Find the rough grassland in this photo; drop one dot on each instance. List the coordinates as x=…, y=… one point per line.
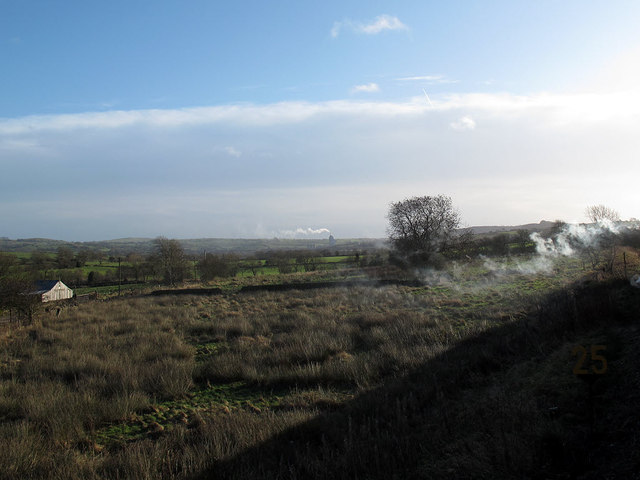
x=471, y=378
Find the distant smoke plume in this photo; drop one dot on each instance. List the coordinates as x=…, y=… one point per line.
x=304, y=232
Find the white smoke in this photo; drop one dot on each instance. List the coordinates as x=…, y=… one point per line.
x=537, y=264
x=570, y=241
x=573, y=238
x=304, y=232
x=432, y=277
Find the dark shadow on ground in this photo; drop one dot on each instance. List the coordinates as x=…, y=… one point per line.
x=502, y=404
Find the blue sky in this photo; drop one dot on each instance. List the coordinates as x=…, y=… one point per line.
x=261, y=119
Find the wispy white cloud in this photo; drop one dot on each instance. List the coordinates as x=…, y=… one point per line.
x=430, y=79
x=366, y=88
x=267, y=115
x=337, y=26
x=232, y=151
x=381, y=23
x=377, y=25
x=619, y=107
x=463, y=123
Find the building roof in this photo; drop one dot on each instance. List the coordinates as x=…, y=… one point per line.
x=44, y=286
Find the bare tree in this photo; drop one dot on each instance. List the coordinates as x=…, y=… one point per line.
x=602, y=252
x=212, y=266
x=308, y=261
x=420, y=227
x=64, y=257
x=135, y=268
x=597, y=213
x=40, y=262
x=283, y=261
x=7, y=263
x=16, y=295
x=169, y=260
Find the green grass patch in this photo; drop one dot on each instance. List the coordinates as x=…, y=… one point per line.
x=25, y=255
x=210, y=348
x=336, y=259
x=263, y=270
x=211, y=400
x=111, y=289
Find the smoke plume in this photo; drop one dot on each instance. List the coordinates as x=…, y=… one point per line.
x=304, y=232
x=570, y=240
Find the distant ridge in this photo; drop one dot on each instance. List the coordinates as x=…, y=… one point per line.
x=197, y=246
x=530, y=227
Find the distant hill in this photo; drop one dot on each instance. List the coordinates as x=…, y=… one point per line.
x=252, y=245
x=33, y=245
x=530, y=227
x=242, y=246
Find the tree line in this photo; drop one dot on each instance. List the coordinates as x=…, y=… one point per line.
x=424, y=232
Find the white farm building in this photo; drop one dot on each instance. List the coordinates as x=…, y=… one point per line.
x=52, y=290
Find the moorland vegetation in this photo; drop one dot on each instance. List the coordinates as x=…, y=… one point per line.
x=496, y=365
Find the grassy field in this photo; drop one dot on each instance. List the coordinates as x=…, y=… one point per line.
x=191, y=246
x=111, y=290
x=470, y=375
x=93, y=272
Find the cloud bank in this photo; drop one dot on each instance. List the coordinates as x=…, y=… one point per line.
x=250, y=170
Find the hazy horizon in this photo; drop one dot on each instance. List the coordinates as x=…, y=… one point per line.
x=252, y=120
x=286, y=235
